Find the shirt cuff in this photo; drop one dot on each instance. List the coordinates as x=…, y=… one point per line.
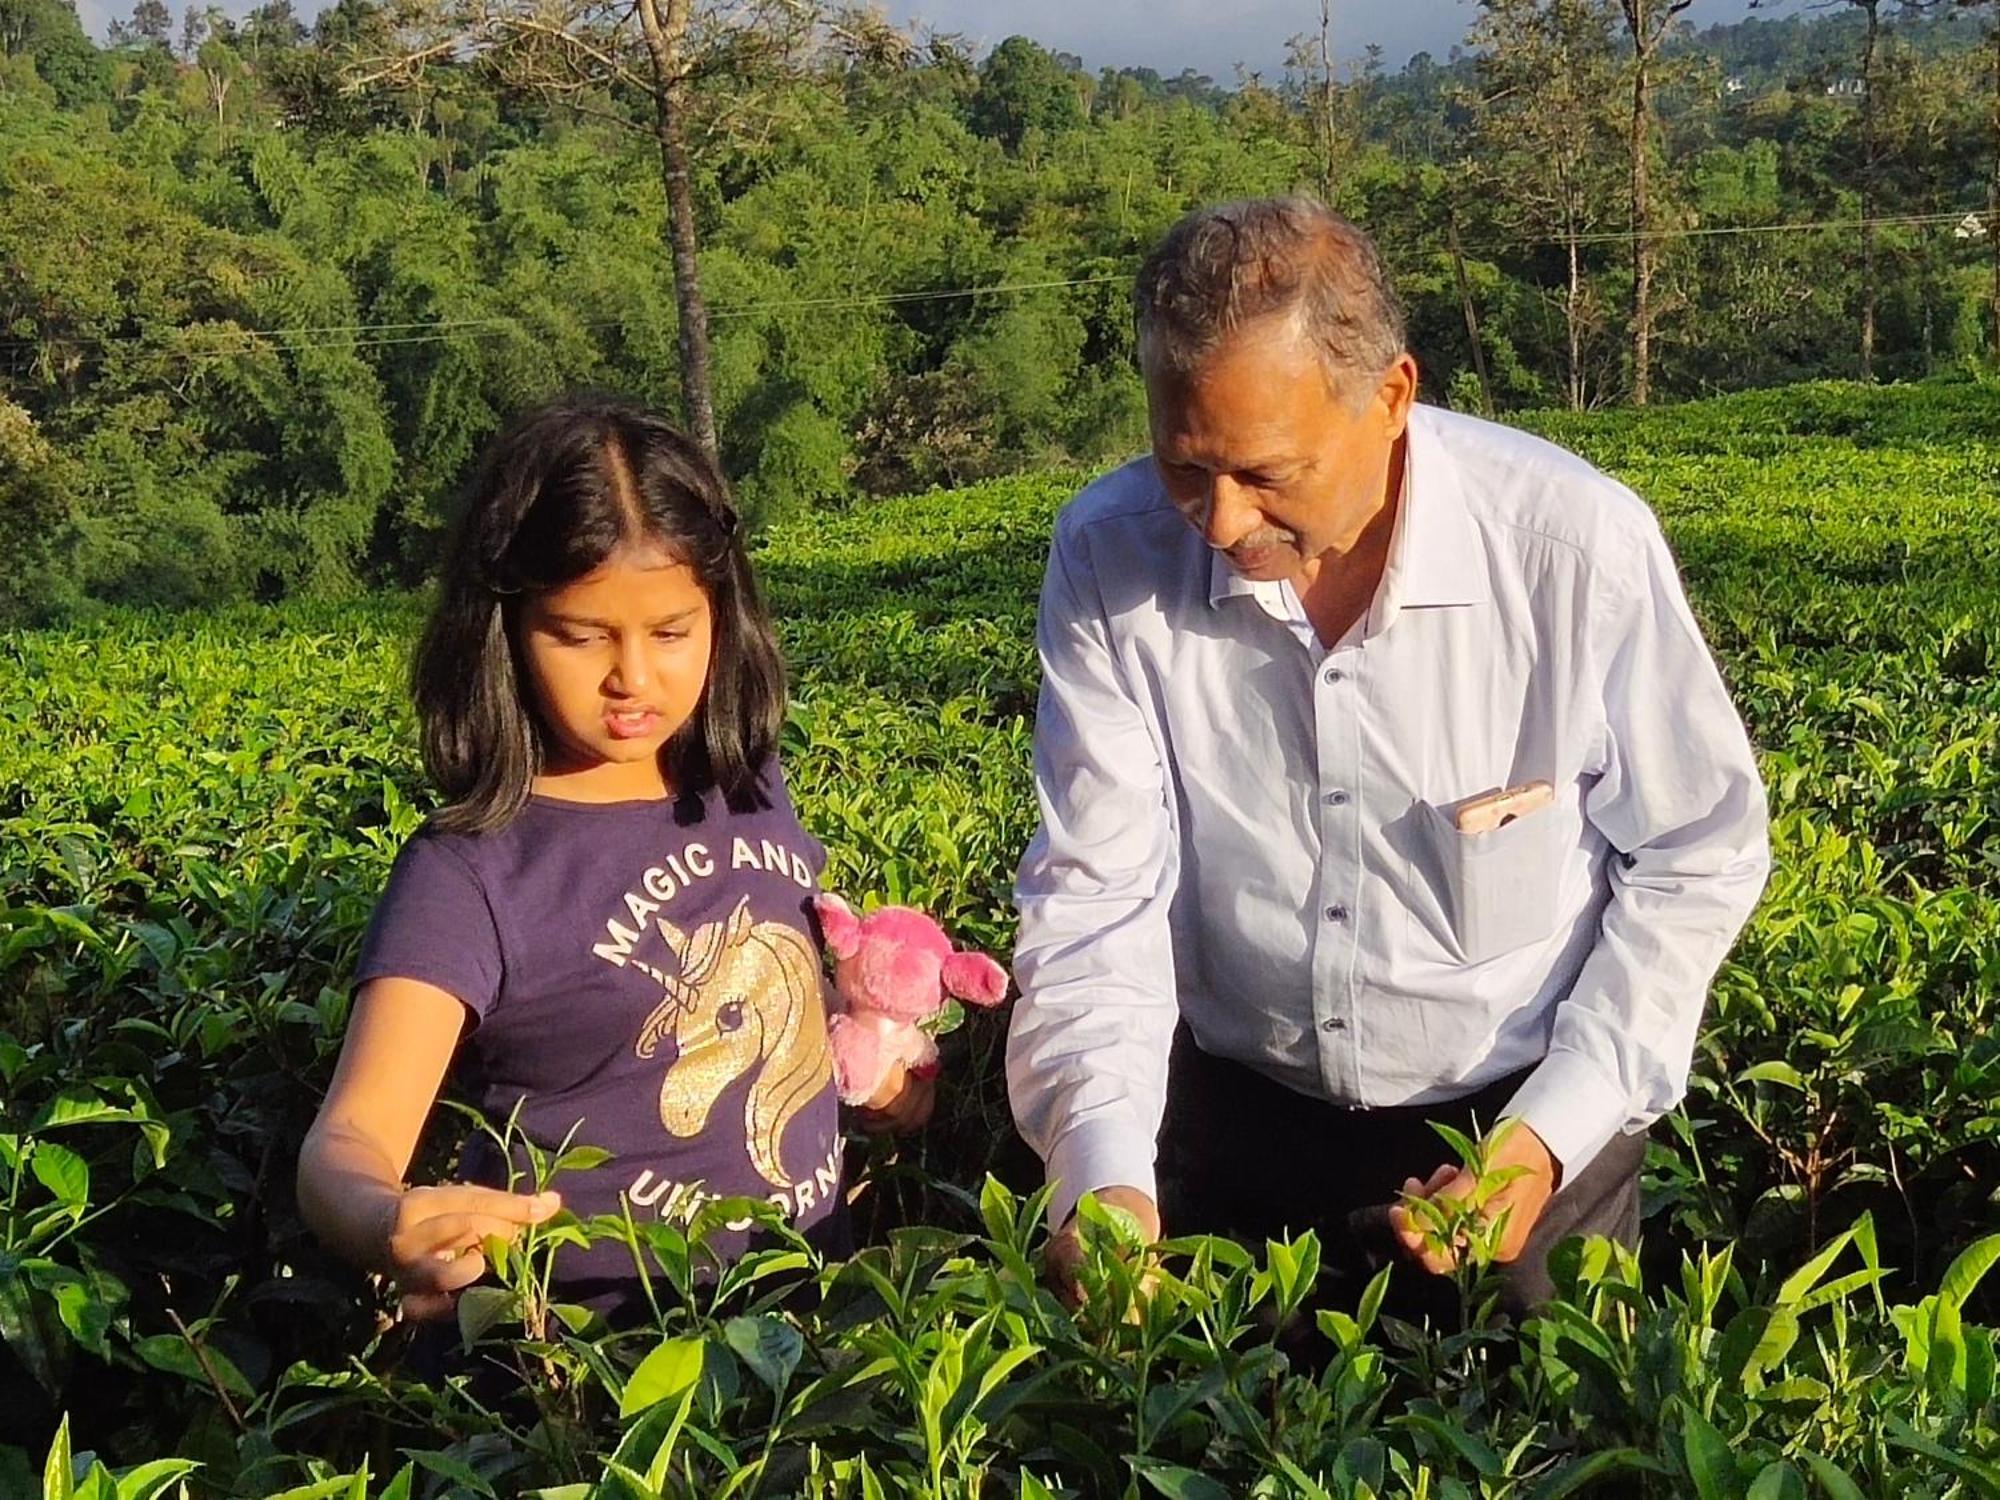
x=1573, y=1107
x=1098, y=1154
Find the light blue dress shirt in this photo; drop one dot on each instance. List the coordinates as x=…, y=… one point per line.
x=1254, y=832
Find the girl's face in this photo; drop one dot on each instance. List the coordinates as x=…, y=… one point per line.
x=617, y=660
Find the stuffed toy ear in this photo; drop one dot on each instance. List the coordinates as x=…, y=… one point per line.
x=838, y=922
x=975, y=978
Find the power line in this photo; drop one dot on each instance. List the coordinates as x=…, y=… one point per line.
x=363, y=335
x=1627, y=236
x=306, y=338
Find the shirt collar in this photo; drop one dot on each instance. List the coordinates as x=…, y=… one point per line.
x=1435, y=560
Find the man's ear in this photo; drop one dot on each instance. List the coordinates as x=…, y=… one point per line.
x=1396, y=394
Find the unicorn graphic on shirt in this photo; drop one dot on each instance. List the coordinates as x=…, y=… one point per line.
x=747, y=997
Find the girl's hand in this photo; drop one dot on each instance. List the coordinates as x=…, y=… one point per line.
x=902, y=1105
x=435, y=1234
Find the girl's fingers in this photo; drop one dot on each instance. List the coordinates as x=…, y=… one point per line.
x=494, y=1203
x=922, y=1099
x=903, y=1103
x=441, y=1273
x=428, y=1307
x=892, y=1088
x=448, y=1233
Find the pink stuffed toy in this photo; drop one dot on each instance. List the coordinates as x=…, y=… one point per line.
x=892, y=970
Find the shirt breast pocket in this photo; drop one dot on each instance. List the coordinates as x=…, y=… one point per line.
x=1500, y=885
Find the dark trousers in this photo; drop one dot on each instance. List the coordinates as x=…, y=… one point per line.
x=1248, y=1158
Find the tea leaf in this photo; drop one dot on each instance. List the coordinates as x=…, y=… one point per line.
x=1177, y=1483
x=670, y=1369
x=65, y=1174
x=769, y=1346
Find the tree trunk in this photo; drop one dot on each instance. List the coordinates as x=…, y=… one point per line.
x=1993, y=187
x=1573, y=314
x=1329, y=174
x=1642, y=216
x=666, y=23
x=1874, y=9
x=1471, y=315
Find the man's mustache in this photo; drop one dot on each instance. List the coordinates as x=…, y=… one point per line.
x=1260, y=541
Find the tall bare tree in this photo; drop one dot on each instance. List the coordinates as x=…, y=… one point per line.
x=1871, y=47
x=637, y=64
x=1647, y=23
x=1546, y=141
x=1314, y=88
x=1993, y=170
x=1992, y=11
x=1328, y=172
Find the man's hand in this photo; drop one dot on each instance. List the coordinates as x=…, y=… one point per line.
x=1065, y=1252
x=434, y=1237
x=901, y=1105
x=1522, y=1199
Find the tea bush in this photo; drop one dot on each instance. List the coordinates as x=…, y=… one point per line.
x=195, y=814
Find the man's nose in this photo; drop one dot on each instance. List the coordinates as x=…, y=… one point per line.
x=1230, y=514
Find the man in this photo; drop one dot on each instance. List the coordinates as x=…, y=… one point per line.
x=1285, y=659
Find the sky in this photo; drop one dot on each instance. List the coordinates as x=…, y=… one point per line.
x=1213, y=36
x=1210, y=36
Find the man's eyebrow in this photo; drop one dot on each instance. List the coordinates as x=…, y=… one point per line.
x=1239, y=465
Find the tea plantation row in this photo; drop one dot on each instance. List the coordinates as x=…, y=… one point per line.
x=195, y=815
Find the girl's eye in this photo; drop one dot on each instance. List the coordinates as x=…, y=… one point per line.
x=571, y=638
x=670, y=635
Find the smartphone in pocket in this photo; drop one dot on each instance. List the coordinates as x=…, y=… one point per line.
x=1491, y=810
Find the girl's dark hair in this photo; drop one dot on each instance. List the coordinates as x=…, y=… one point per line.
x=559, y=490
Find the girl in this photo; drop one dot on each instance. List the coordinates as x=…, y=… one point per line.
x=612, y=910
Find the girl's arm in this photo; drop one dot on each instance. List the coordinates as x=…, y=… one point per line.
x=399, y=1042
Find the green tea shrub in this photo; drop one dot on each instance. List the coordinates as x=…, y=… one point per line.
x=196, y=813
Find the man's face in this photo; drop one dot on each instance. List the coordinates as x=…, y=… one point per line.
x=1261, y=455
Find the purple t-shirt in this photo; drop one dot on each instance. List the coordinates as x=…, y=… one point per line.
x=645, y=973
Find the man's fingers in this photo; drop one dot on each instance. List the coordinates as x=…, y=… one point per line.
x=1419, y=1240
x=1449, y=1180
x=1410, y=1236
x=1064, y=1254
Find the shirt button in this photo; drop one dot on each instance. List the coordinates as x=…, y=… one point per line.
x=1336, y=913
x=1333, y=1023
x=1334, y=674
x=1336, y=799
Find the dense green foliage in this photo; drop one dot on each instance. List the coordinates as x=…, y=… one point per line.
x=254, y=324
x=195, y=813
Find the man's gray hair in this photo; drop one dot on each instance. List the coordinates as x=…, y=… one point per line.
x=1222, y=268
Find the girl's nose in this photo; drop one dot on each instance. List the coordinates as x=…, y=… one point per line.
x=630, y=674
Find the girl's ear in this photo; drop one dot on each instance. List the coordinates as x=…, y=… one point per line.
x=975, y=978
x=839, y=925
